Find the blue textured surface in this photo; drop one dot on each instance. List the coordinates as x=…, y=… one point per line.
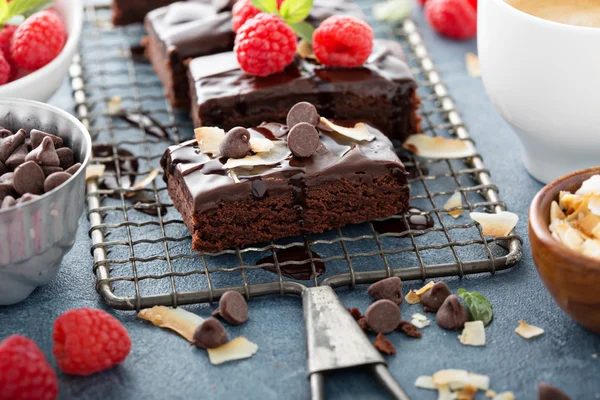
x=163, y=366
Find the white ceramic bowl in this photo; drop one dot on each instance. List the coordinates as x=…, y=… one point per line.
x=543, y=77
x=43, y=83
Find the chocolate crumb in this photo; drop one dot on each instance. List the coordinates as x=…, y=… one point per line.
x=384, y=345
x=355, y=312
x=409, y=329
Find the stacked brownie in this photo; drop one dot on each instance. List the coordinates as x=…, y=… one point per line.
x=344, y=181
x=186, y=30
x=126, y=12
x=382, y=92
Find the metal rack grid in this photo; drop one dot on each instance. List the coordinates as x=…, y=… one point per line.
x=142, y=260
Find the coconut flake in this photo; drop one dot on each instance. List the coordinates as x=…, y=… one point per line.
x=473, y=66
x=94, y=171
x=455, y=201
x=444, y=393
x=466, y=393
x=305, y=50
x=490, y=393
x=277, y=154
x=528, y=331
x=504, y=396
x=412, y=298
x=259, y=145
x=594, y=204
x=555, y=212
x=209, y=138
x=177, y=319
x=587, y=224
x=445, y=376
x=438, y=147
x=360, y=132
x=147, y=180
x=237, y=349
x=425, y=382
x=424, y=289
x=419, y=317
x=591, y=248
x=114, y=106
x=420, y=324
x=592, y=185
x=495, y=225
x=473, y=334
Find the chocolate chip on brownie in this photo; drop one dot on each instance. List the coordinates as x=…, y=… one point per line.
x=303, y=140
x=210, y=334
x=236, y=143
x=303, y=112
x=452, y=315
x=232, y=308
x=389, y=289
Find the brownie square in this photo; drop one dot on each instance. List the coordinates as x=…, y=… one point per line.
x=343, y=182
x=382, y=92
x=208, y=31
x=125, y=12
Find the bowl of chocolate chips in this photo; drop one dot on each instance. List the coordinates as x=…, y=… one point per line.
x=44, y=152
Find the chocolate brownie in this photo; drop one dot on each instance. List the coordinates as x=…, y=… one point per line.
x=186, y=30
x=126, y=12
x=342, y=182
x=382, y=92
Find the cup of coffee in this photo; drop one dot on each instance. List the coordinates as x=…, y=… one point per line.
x=540, y=64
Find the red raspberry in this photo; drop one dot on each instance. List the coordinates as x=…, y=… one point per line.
x=243, y=10
x=455, y=19
x=342, y=41
x=5, y=70
x=6, y=35
x=38, y=40
x=421, y=2
x=473, y=3
x=88, y=341
x=265, y=45
x=24, y=372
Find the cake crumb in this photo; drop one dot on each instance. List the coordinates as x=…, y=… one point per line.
x=409, y=329
x=355, y=312
x=384, y=345
x=362, y=322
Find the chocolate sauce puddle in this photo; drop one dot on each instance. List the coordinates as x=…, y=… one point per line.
x=151, y=126
x=301, y=272
x=416, y=221
x=127, y=167
x=413, y=170
x=143, y=203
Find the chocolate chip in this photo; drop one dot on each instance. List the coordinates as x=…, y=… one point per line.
x=389, y=289
x=303, y=140
x=409, y=329
x=383, y=316
x=233, y=308
x=50, y=170
x=433, y=299
x=74, y=168
x=37, y=136
x=27, y=197
x=3, y=168
x=10, y=144
x=28, y=144
x=303, y=112
x=8, y=201
x=6, y=185
x=452, y=315
x=55, y=180
x=549, y=392
x=236, y=144
x=362, y=322
x=44, y=154
x=4, y=133
x=65, y=156
x=29, y=178
x=17, y=157
x=210, y=334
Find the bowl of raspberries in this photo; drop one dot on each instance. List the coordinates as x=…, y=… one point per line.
x=38, y=39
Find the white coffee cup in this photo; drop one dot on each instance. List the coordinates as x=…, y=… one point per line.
x=544, y=79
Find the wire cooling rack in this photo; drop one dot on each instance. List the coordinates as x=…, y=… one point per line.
x=142, y=260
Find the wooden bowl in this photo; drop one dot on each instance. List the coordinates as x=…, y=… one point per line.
x=572, y=279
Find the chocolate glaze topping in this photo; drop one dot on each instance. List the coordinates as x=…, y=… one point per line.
x=208, y=30
x=337, y=157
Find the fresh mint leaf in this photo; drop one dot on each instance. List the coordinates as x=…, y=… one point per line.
x=392, y=10
x=295, y=11
x=304, y=30
x=20, y=7
x=479, y=307
x=268, y=6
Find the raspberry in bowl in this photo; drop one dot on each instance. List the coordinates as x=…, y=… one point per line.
x=35, y=56
x=41, y=206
